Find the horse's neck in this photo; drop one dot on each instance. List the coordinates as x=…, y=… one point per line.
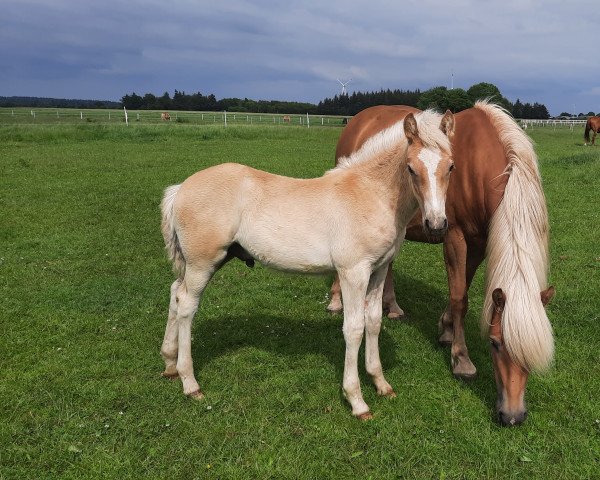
x=390, y=176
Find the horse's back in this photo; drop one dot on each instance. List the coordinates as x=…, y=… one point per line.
x=368, y=123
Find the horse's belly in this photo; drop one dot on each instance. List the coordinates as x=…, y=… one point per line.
x=285, y=250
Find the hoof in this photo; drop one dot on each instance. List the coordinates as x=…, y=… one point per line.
x=170, y=376
x=390, y=394
x=365, y=416
x=467, y=377
x=444, y=341
x=395, y=315
x=334, y=310
x=197, y=395
x=464, y=369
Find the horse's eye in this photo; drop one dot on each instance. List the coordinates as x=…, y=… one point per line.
x=495, y=344
x=411, y=171
x=451, y=167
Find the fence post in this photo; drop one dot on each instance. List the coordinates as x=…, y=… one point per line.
x=307, y=121
x=225, y=116
x=126, y=117
x=81, y=115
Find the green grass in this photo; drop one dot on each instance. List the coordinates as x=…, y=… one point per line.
x=84, y=291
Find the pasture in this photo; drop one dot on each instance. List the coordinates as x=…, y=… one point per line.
x=85, y=285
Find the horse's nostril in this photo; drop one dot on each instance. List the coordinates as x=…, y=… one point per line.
x=427, y=223
x=445, y=224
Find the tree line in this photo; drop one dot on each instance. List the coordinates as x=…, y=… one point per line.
x=43, y=102
x=440, y=98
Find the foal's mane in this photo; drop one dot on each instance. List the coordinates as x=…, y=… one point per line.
x=388, y=141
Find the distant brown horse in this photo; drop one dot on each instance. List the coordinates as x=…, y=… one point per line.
x=165, y=116
x=496, y=207
x=593, y=124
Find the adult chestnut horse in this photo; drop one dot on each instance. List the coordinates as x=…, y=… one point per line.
x=593, y=124
x=351, y=220
x=495, y=206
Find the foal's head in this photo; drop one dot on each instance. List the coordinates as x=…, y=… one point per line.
x=429, y=163
x=511, y=378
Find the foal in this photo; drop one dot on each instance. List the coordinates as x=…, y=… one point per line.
x=352, y=220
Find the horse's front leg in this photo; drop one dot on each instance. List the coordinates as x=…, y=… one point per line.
x=461, y=263
x=354, y=283
x=373, y=313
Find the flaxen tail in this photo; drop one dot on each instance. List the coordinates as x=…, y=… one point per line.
x=588, y=127
x=169, y=231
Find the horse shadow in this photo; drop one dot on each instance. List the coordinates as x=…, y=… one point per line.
x=322, y=335
x=423, y=305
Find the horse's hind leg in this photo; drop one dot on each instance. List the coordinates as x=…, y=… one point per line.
x=390, y=305
x=594, y=137
x=169, y=348
x=188, y=297
x=335, y=292
x=373, y=313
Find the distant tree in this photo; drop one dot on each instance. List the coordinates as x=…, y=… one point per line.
x=565, y=114
x=591, y=114
x=442, y=99
x=483, y=91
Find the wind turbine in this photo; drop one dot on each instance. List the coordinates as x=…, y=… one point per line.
x=343, y=84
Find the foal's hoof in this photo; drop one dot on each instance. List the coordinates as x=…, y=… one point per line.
x=197, y=395
x=335, y=309
x=394, y=312
x=365, y=416
x=170, y=375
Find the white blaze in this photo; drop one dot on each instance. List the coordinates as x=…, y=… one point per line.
x=433, y=205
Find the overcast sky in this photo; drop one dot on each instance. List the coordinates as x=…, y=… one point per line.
x=537, y=51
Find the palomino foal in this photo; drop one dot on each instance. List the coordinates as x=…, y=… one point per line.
x=352, y=220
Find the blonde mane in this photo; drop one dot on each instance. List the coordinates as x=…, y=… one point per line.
x=517, y=251
x=389, y=140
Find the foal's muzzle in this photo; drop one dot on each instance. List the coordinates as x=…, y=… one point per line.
x=436, y=228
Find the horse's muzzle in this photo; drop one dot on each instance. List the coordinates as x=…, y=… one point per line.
x=511, y=419
x=436, y=228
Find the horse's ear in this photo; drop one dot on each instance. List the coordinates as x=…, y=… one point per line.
x=447, y=124
x=499, y=299
x=410, y=128
x=547, y=295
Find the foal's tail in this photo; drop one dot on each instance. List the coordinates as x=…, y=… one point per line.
x=517, y=250
x=170, y=233
x=588, y=127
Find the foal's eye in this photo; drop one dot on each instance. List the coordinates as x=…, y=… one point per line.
x=495, y=344
x=451, y=167
x=411, y=171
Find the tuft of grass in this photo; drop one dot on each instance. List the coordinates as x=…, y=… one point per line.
x=84, y=293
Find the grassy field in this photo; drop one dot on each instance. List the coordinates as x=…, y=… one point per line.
x=84, y=292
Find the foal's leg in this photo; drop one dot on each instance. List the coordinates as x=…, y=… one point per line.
x=168, y=350
x=354, y=284
x=335, y=304
x=390, y=305
x=188, y=297
x=373, y=312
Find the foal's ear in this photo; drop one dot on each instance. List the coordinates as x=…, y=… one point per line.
x=410, y=128
x=499, y=299
x=547, y=295
x=447, y=124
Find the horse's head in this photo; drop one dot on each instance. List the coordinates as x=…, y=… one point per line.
x=429, y=162
x=511, y=378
